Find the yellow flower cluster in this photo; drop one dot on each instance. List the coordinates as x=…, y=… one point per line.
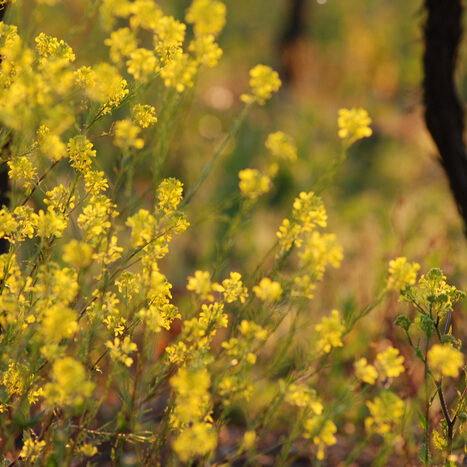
x=318, y=251
x=388, y=364
x=268, y=290
x=282, y=146
x=330, y=331
x=192, y=414
x=207, y=17
x=32, y=449
x=127, y=135
x=386, y=412
x=354, y=124
x=253, y=184
x=308, y=211
x=322, y=432
x=144, y=115
x=401, y=273
x=263, y=82
x=69, y=384
x=445, y=360
x=120, y=350
x=303, y=396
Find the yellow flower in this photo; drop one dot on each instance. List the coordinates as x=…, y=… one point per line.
x=32, y=450
x=322, y=431
x=141, y=64
x=145, y=14
x=169, y=194
x=49, y=46
x=126, y=135
x=81, y=153
x=233, y=288
x=144, y=115
x=330, y=331
x=401, y=273
x=249, y=438
x=16, y=379
x=59, y=322
x=319, y=251
x=85, y=77
x=206, y=50
x=95, y=182
x=142, y=227
x=263, y=82
x=50, y=223
x=252, y=183
x=301, y=395
x=353, y=124
x=207, y=16
x=50, y=144
x=170, y=34
x=201, y=284
x=390, y=363
x=108, y=87
x=120, y=350
x=386, y=413
x=88, y=450
x=308, y=210
x=122, y=43
x=251, y=330
x=22, y=171
x=192, y=396
x=77, y=254
x=365, y=372
x=198, y=439
x=268, y=290
x=69, y=384
x=179, y=72
x=445, y=360
x=282, y=146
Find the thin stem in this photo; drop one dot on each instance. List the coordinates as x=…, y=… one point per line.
x=450, y=422
x=217, y=153
x=427, y=405
x=44, y=175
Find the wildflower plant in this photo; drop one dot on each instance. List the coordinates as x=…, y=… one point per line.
x=102, y=357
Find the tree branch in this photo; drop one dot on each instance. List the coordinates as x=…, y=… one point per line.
x=444, y=115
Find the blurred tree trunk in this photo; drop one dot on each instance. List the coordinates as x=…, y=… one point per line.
x=4, y=185
x=294, y=28
x=444, y=115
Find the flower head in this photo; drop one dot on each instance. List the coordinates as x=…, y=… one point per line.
x=445, y=360
x=330, y=332
x=253, y=183
x=386, y=413
x=207, y=16
x=354, y=124
x=263, y=82
x=282, y=146
x=365, y=371
x=402, y=273
x=390, y=363
x=268, y=290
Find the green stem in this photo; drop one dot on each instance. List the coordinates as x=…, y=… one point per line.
x=217, y=153
x=325, y=180
x=427, y=405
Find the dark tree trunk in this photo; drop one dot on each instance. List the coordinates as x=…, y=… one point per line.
x=443, y=111
x=4, y=184
x=294, y=28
